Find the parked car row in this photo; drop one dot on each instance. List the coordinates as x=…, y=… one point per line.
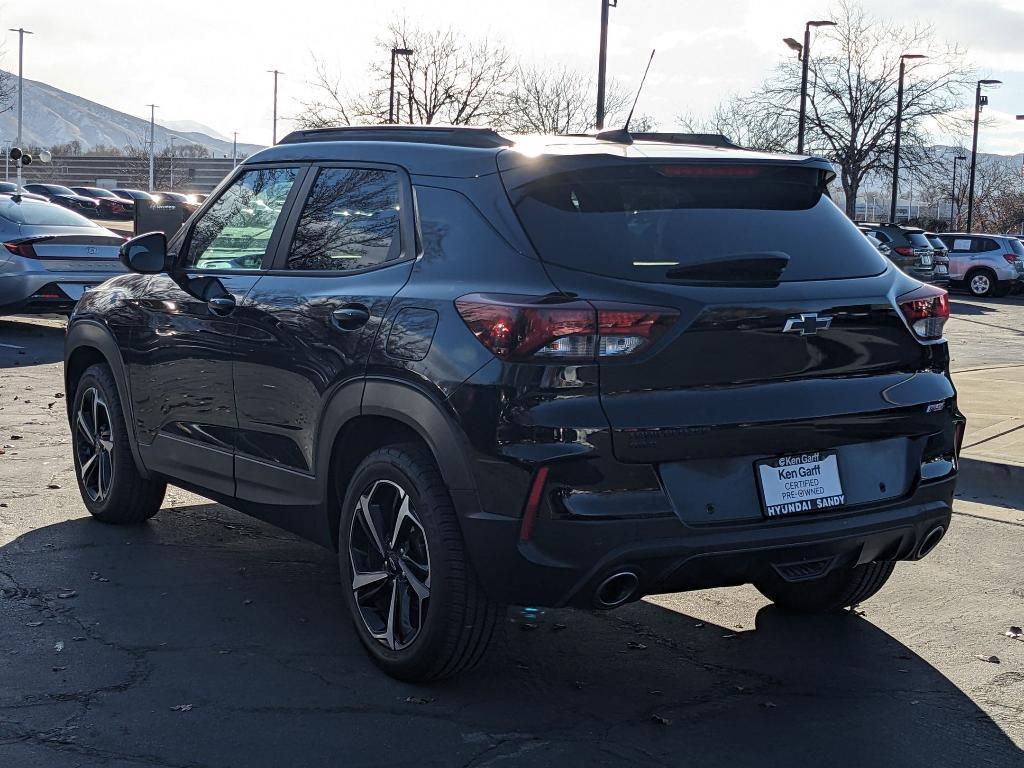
x=983, y=265
x=99, y=203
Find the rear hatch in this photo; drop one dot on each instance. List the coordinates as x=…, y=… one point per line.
x=781, y=327
x=70, y=249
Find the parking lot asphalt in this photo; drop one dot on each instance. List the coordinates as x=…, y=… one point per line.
x=205, y=638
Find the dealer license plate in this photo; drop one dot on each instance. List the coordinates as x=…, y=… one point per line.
x=808, y=482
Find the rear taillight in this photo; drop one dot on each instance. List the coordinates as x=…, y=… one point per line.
x=20, y=248
x=904, y=250
x=1011, y=258
x=534, y=328
x=926, y=310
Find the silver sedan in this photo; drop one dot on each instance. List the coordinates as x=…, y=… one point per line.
x=51, y=256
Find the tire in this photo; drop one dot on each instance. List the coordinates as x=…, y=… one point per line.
x=447, y=631
x=980, y=282
x=111, y=486
x=843, y=588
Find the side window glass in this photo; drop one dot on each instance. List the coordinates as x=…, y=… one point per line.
x=235, y=232
x=349, y=221
x=962, y=244
x=983, y=244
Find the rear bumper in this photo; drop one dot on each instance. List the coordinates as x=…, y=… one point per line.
x=19, y=289
x=566, y=560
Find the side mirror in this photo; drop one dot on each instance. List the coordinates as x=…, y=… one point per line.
x=146, y=253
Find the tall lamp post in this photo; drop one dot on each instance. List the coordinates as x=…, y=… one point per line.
x=899, y=133
x=152, y=146
x=21, y=89
x=979, y=102
x=602, y=60
x=952, y=196
x=395, y=53
x=804, y=54
x=275, y=73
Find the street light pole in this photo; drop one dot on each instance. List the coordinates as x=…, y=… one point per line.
x=275, y=73
x=899, y=134
x=21, y=90
x=234, y=150
x=395, y=53
x=152, y=146
x=952, y=196
x=804, y=52
x=974, y=149
x=602, y=60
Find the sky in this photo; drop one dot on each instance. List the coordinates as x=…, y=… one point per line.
x=207, y=60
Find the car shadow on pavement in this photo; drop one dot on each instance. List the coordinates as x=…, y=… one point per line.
x=205, y=638
x=24, y=342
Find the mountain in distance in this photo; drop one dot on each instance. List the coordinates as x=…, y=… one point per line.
x=53, y=117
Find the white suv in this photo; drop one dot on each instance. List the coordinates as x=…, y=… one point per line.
x=986, y=265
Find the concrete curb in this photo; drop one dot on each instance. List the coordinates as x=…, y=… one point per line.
x=991, y=478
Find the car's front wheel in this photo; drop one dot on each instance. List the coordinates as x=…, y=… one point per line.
x=110, y=483
x=416, y=603
x=843, y=588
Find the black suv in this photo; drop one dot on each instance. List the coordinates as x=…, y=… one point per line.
x=571, y=371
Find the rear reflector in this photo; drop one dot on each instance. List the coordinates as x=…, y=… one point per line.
x=535, y=328
x=926, y=310
x=532, y=504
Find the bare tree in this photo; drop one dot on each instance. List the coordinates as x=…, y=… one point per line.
x=852, y=95
x=744, y=121
x=553, y=98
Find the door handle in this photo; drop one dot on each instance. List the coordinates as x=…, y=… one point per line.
x=351, y=317
x=221, y=305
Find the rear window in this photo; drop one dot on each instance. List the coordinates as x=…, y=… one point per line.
x=37, y=213
x=1016, y=246
x=642, y=222
x=918, y=239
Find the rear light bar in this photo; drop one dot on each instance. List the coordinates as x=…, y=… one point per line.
x=534, y=328
x=926, y=310
x=685, y=170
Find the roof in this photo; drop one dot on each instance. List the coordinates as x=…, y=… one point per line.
x=463, y=151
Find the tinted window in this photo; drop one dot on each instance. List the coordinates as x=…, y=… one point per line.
x=37, y=213
x=641, y=222
x=917, y=239
x=235, y=232
x=349, y=221
x=982, y=244
x=1016, y=246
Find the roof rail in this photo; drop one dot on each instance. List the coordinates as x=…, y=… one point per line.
x=705, y=139
x=449, y=135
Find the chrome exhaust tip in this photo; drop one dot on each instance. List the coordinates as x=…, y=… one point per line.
x=930, y=541
x=616, y=589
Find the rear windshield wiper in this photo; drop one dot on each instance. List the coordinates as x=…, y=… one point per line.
x=755, y=269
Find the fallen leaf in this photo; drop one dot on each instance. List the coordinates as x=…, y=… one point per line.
x=661, y=720
x=50, y=405
x=15, y=437
x=578, y=684
x=181, y=708
x=58, y=669
x=247, y=602
x=419, y=700
x=527, y=627
x=58, y=646
x=655, y=692
x=53, y=486
x=58, y=394
x=726, y=637
x=768, y=704
x=699, y=624
x=1016, y=633
x=69, y=593
x=636, y=646
x=79, y=639
x=989, y=659
x=34, y=624
x=558, y=627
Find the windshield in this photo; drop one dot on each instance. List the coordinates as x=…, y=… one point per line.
x=37, y=213
x=649, y=222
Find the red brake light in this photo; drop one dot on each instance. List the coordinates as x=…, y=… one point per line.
x=926, y=310
x=706, y=171
x=20, y=248
x=904, y=250
x=525, y=327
